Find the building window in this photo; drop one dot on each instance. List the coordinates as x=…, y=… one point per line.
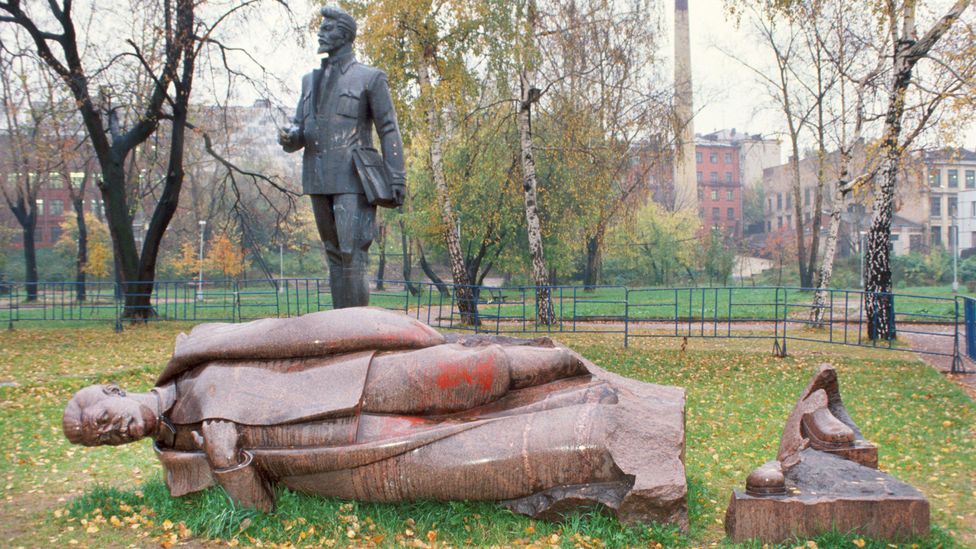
x=728, y=177
x=935, y=178
x=38, y=235
x=789, y=221
x=714, y=195
x=54, y=181
x=730, y=213
x=770, y=202
x=953, y=202
x=971, y=179
x=40, y=207
x=806, y=197
x=779, y=201
x=701, y=177
x=728, y=158
x=12, y=178
x=715, y=213
x=914, y=243
x=698, y=157
x=936, y=236
x=789, y=201
x=779, y=222
x=76, y=179
x=953, y=177
x=935, y=206
x=713, y=158
x=713, y=176
x=728, y=195
x=973, y=212
x=57, y=207
x=55, y=233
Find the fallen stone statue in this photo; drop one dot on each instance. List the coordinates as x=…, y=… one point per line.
x=372, y=405
x=825, y=478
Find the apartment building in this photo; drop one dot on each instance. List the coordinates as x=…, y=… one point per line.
x=948, y=174
x=719, y=186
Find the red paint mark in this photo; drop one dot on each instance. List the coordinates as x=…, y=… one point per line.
x=481, y=374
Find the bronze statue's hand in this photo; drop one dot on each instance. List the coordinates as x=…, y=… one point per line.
x=399, y=193
x=288, y=136
x=219, y=440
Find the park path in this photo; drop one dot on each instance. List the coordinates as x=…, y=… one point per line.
x=924, y=344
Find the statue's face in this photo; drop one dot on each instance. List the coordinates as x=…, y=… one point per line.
x=331, y=36
x=115, y=418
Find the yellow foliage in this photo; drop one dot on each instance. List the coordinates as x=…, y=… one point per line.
x=187, y=262
x=99, y=262
x=225, y=256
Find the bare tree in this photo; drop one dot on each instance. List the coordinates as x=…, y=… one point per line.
x=124, y=97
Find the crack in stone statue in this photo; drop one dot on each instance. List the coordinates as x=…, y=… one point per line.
x=340, y=103
x=372, y=405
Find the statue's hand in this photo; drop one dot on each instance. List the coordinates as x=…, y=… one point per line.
x=288, y=136
x=219, y=440
x=399, y=192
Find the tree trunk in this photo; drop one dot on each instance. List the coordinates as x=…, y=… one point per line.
x=407, y=266
x=827, y=265
x=381, y=268
x=594, y=262
x=438, y=282
x=467, y=305
x=78, y=202
x=540, y=273
x=801, y=255
x=30, y=259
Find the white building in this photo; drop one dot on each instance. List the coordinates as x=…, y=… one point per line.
x=966, y=219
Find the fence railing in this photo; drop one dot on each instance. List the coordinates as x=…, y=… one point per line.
x=778, y=314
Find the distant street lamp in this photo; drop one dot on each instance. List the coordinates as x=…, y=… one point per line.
x=203, y=225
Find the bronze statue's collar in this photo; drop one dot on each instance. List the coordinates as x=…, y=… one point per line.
x=342, y=60
x=165, y=398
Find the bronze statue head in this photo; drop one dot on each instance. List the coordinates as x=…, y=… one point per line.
x=106, y=414
x=338, y=30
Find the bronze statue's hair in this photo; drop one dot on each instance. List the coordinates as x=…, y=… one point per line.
x=72, y=422
x=343, y=20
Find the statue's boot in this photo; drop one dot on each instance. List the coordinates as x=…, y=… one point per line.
x=825, y=431
x=767, y=480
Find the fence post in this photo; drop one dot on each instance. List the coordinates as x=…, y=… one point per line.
x=626, y=315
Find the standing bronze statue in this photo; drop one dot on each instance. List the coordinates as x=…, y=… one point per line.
x=372, y=405
x=346, y=178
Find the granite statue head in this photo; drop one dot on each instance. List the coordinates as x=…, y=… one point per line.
x=106, y=414
x=337, y=30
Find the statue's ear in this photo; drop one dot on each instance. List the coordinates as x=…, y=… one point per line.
x=113, y=389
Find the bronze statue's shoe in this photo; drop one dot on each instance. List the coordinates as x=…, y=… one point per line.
x=766, y=480
x=825, y=431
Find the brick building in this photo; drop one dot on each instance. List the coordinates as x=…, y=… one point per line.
x=719, y=186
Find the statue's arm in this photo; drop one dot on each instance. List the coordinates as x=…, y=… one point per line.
x=233, y=467
x=384, y=116
x=292, y=137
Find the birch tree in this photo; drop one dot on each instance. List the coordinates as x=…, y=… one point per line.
x=423, y=42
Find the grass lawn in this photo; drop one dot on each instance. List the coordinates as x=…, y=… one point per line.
x=739, y=395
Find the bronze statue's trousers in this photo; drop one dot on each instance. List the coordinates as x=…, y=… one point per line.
x=346, y=224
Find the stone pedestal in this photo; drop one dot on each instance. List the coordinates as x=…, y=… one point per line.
x=827, y=493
